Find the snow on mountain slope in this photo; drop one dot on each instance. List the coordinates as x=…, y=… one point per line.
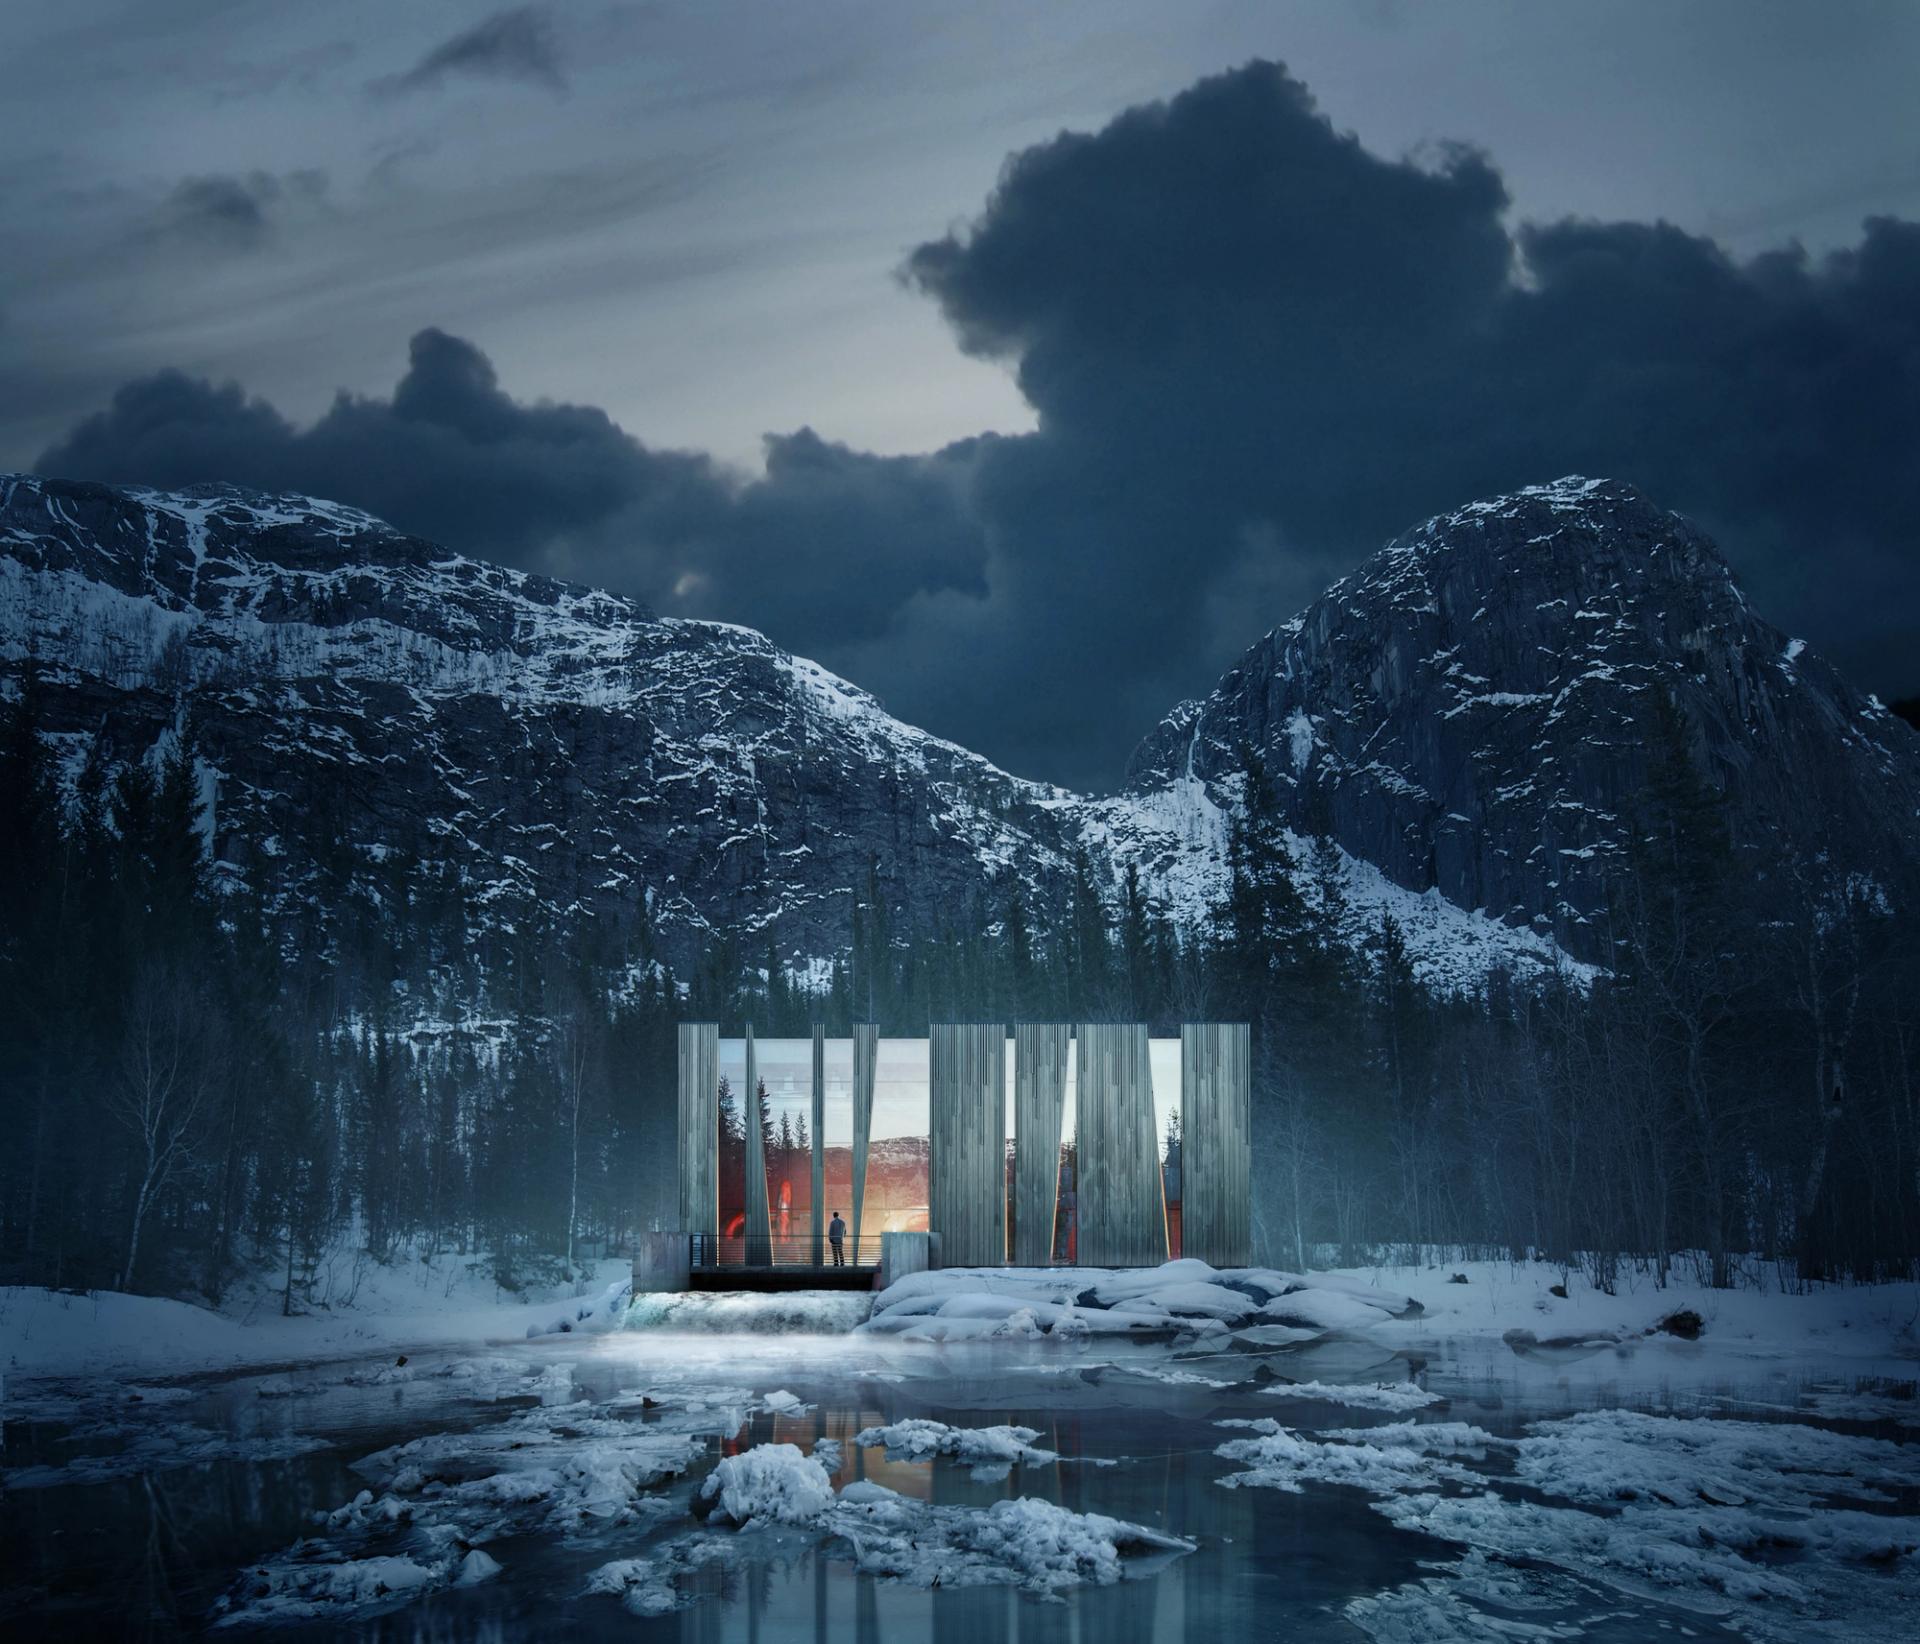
x=1474, y=711
x=377, y=712
x=1177, y=834
x=516, y=739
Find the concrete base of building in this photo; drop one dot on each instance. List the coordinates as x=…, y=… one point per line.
x=662, y=1263
x=904, y=1253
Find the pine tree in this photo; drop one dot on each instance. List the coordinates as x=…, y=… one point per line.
x=1678, y=964
x=382, y=1106
x=1091, y=968
x=1017, y=942
x=1136, y=939
x=1262, y=924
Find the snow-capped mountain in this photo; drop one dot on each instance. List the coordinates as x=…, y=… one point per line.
x=529, y=743
x=370, y=706
x=1474, y=709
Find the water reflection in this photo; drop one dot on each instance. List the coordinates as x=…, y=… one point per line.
x=150, y=1554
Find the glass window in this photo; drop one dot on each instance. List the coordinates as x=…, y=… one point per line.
x=896, y=1199
x=897, y=1160
x=837, y=1165
x=731, y=1140
x=1066, y=1211
x=1163, y=1058
x=784, y=1068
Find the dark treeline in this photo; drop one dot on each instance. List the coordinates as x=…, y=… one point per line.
x=1741, y=1079
x=191, y=1098
x=186, y=1103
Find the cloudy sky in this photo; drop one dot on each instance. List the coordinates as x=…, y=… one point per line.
x=1023, y=362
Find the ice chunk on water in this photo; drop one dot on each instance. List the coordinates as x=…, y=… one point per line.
x=992, y=1452
x=1694, y=1512
x=1024, y=1543
x=475, y=1568
x=644, y=1586
x=572, y=1469
x=1380, y=1396
x=290, y=1590
x=1281, y=1459
x=768, y=1482
x=1602, y=1456
x=553, y=1383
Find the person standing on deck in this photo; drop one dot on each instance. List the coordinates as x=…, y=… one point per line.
x=836, y=1236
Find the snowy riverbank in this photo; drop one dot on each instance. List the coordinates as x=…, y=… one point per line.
x=1414, y=1308
x=409, y=1305
x=1476, y=1458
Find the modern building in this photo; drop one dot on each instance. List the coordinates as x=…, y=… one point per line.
x=1094, y=1145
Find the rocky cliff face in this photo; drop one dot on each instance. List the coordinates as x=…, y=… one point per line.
x=1473, y=711
x=367, y=702
x=1472, y=706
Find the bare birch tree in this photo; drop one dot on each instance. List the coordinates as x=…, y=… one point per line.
x=160, y=1085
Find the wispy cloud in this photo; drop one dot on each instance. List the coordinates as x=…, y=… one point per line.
x=520, y=43
x=224, y=212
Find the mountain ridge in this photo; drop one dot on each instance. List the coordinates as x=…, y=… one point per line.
x=1433, y=743
x=374, y=708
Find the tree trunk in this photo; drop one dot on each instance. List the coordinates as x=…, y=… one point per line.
x=573, y=1187
x=1822, y=1146
x=133, y=1240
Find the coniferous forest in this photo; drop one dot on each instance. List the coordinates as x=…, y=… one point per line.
x=201, y=1098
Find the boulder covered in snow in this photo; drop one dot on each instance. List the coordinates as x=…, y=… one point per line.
x=1178, y=1300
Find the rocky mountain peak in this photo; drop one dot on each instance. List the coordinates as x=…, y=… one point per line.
x=1472, y=709
x=1467, y=715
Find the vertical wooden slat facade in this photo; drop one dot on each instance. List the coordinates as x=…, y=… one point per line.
x=1216, y=1143
x=966, y=1142
x=1122, y=1203
x=866, y=1051
x=698, y=1131
x=1122, y=1200
x=1039, y=1108
x=817, y=1144
x=759, y=1223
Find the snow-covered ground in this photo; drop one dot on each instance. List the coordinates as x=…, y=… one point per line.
x=1417, y=1307
x=1478, y=1456
x=410, y=1304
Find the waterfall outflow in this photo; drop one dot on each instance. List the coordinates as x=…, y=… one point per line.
x=737, y=1312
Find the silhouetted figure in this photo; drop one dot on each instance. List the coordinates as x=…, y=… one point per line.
x=837, y=1237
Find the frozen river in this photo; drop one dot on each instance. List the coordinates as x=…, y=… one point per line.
x=547, y=1489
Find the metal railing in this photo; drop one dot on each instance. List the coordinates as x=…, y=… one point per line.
x=780, y=1250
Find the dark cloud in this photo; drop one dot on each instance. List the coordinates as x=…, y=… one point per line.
x=1247, y=337
x=1256, y=350
x=233, y=213
x=828, y=544
x=520, y=43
